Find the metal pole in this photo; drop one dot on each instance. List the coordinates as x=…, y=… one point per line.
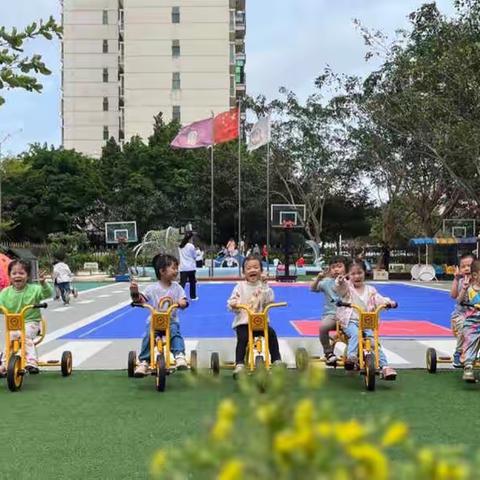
x=211, y=206
x=239, y=182
x=268, y=207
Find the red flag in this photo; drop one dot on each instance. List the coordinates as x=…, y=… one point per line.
x=225, y=126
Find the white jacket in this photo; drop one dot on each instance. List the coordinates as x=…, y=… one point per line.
x=62, y=273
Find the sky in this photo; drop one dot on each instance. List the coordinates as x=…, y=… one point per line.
x=288, y=43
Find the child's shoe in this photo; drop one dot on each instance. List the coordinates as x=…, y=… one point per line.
x=3, y=368
x=278, y=363
x=239, y=368
x=141, y=370
x=457, y=363
x=181, y=361
x=389, y=373
x=331, y=360
x=32, y=369
x=350, y=363
x=468, y=374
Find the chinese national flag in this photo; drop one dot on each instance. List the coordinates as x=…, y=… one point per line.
x=225, y=126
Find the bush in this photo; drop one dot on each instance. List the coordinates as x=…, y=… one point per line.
x=275, y=436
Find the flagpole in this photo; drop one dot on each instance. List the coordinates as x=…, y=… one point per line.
x=239, y=183
x=268, y=206
x=212, y=195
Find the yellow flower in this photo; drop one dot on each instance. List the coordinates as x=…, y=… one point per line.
x=315, y=375
x=372, y=459
x=266, y=413
x=324, y=429
x=158, y=463
x=304, y=414
x=232, y=470
x=446, y=471
x=226, y=409
x=222, y=429
x=396, y=433
x=349, y=432
x=425, y=457
x=284, y=442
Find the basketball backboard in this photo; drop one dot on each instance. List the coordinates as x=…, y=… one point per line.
x=459, y=227
x=115, y=231
x=282, y=213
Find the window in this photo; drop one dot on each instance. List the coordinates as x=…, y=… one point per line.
x=175, y=48
x=105, y=75
x=105, y=104
x=232, y=19
x=175, y=14
x=176, y=80
x=176, y=113
x=105, y=133
x=232, y=85
x=105, y=46
x=105, y=17
x=232, y=53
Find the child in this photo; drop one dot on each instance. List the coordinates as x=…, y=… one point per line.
x=166, y=271
x=352, y=289
x=254, y=292
x=62, y=276
x=459, y=286
x=471, y=323
x=326, y=283
x=19, y=294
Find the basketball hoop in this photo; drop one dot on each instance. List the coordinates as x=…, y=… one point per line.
x=288, y=224
x=122, y=240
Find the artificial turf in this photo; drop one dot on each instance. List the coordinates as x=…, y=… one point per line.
x=103, y=425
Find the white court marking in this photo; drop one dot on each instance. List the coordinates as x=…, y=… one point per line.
x=81, y=323
x=83, y=302
x=394, y=358
x=61, y=309
x=105, y=295
x=444, y=346
x=81, y=350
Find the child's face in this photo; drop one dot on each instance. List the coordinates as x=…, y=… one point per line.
x=357, y=275
x=252, y=271
x=170, y=273
x=18, y=277
x=465, y=265
x=337, y=269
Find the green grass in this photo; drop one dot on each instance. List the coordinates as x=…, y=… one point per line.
x=103, y=425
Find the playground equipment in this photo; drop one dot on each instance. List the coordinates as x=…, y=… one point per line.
x=161, y=364
x=15, y=354
x=121, y=234
x=368, y=347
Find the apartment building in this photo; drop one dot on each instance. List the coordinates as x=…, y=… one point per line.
x=125, y=61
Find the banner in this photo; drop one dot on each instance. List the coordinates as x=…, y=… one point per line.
x=196, y=135
x=260, y=134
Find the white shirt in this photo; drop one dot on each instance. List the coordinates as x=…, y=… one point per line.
x=62, y=273
x=199, y=255
x=187, y=258
x=154, y=293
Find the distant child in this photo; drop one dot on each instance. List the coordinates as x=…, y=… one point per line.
x=352, y=289
x=19, y=294
x=254, y=292
x=460, y=284
x=62, y=276
x=166, y=271
x=471, y=323
x=325, y=283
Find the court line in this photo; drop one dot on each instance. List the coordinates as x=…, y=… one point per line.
x=116, y=317
x=81, y=350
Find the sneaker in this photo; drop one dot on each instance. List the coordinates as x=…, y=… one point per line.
x=331, y=360
x=3, y=371
x=32, y=369
x=141, y=369
x=181, y=361
x=468, y=374
x=195, y=299
x=389, y=373
x=278, y=363
x=350, y=363
x=457, y=363
x=239, y=368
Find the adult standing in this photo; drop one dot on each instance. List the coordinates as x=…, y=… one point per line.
x=188, y=264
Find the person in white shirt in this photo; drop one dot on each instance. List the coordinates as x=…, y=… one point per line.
x=188, y=264
x=62, y=276
x=199, y=257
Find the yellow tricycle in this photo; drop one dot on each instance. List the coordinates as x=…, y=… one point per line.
x=15, y=355
x=161, y=364
x=258, y=353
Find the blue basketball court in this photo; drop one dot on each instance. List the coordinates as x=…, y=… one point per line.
x=422, y=312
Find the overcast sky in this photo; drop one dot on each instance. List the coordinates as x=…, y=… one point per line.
x=289, y=42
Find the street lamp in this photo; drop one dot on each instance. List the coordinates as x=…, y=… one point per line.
x=5, y=138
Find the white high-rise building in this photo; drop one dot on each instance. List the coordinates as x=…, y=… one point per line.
x=125, y=61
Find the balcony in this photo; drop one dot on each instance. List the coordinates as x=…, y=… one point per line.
x=240, y=25
x=240, y=58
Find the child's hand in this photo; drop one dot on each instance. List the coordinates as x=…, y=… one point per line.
x=392, y=304
x=182, y=303
x=320, y=275
x=42, y=277
x=264, y=277
x=134, y=293
x=466, y=282
x=342, y=279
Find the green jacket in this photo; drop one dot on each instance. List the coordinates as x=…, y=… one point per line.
x=14, y=300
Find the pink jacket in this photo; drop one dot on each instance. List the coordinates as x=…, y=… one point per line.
x=348, y=294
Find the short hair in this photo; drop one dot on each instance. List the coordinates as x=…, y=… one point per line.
x=252, y=258
x=162, y=261
x=475, y=268
x=23, y=263
x=467, y=255
x=338, y=259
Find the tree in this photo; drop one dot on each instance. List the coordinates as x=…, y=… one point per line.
x=16, y=69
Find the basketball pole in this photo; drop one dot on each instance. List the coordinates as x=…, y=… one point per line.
x=239, y=182
x=211, y=195
x=268, y=206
